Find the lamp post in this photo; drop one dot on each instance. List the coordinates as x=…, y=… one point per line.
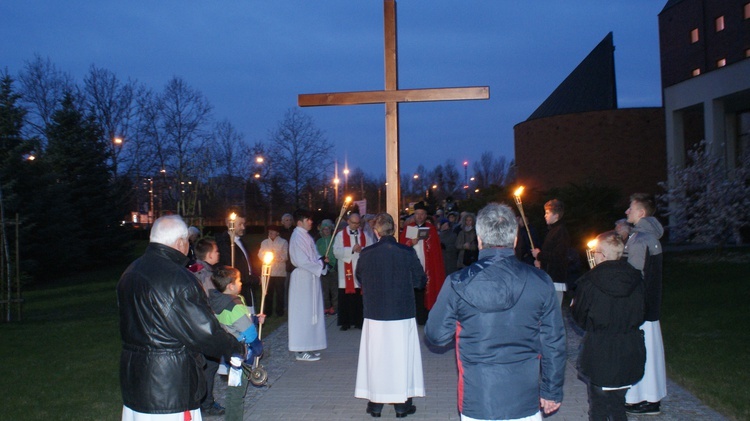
x=336, y=182
x=517, y=196
x=346, y=180
x=260, y=161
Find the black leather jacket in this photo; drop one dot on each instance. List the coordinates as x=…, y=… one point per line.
x=166, y=326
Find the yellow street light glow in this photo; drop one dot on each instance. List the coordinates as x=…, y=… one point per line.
x=518, y=192
x=336, y=181
x=268, y=258
x=117, y=141
x=259, y=159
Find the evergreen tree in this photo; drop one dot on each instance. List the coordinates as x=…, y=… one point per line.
x=87, y=204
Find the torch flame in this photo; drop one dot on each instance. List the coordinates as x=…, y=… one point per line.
x=592, y=244
x=268, y=258
x=348, y=199
x=518, y=192
x=233, y=216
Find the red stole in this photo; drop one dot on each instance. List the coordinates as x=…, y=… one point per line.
x=348, y=273
x=433, y=262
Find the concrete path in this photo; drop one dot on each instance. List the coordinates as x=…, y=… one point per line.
x=324, y=390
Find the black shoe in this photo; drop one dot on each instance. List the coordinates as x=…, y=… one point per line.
x=214, y=409
x=372, y=413
x=412, y=409
x=643, y=408
x=344, y=328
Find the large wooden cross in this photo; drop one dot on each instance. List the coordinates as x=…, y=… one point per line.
x=391, y=97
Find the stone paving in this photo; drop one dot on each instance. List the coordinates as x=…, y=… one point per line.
x=324, y=390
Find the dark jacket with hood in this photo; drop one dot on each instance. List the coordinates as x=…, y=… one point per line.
x=509, y=333
x=609, y=306
x=166, y=326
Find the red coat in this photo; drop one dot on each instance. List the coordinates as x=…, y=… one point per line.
x=433, y=262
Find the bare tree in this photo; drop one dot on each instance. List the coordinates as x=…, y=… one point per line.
x=300, y=154
x=113, y=105
x=43, y=87
x=490, y=171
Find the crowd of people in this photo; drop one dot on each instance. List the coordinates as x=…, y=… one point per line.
x=473, y=281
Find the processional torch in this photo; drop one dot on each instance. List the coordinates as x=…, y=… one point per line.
x=590, y=252
x=338, y=221
x=517, y=196
x=258, y=375
x=232, y=217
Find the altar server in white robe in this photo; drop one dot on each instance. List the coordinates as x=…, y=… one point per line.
x=306, y=323
x=390, y=361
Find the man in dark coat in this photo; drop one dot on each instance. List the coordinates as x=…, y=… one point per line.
x=390, y=362
x=609, y=305
x=508, y=328
x=241, y=257
x=166, y=326
x=553, y=256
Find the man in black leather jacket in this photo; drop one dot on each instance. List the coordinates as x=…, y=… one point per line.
x=166, y=326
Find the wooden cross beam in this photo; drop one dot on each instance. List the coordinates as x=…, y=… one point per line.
x=391, y=97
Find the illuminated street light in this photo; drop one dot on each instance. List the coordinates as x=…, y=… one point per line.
x=117, y=141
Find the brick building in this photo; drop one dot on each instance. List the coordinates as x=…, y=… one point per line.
x=578, y=134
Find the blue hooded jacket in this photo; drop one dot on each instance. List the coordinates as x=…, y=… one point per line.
x=510, y=337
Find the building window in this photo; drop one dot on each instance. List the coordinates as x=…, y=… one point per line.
x=747, y=11
x=720, y=23
x=721, y=62
x=747, y=52
x=696, y=72
x=694, y=37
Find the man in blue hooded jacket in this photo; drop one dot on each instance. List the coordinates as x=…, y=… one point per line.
x=508, y=328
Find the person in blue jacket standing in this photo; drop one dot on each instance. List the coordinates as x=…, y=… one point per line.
x=508, y=328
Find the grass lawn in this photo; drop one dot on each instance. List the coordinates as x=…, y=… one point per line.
x=61, y=362
x=705, y=322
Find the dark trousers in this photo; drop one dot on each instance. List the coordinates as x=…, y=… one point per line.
x=399, y=407
x=209, y=372
x=275, y=296
x=330, y=286
x=606, y=405
x=350, y=308
x=421, y=309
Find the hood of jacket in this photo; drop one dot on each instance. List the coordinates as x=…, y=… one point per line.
x=650, y=225
x=621, y=280
x=488, y=286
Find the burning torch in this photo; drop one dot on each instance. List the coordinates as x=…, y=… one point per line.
x=232, y=217
x=591, y=251
x=517, y=196
x=335, y=227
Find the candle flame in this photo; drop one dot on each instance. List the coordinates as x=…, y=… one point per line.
x=268, y=258
x=592, y=244
x=233, y=216
x=518, y=192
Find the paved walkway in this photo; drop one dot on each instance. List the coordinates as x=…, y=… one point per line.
x=324, y=390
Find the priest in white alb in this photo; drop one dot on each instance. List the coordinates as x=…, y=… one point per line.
x=390, y=361
x=347, y=246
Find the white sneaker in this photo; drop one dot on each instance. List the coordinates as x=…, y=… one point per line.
x=307, y=356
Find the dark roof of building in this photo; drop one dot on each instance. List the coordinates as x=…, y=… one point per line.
x=670, y=3
x=590, y=87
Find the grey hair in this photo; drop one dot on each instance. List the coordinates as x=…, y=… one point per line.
x=496, y=225
x=384, y=224
x=168, y=229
